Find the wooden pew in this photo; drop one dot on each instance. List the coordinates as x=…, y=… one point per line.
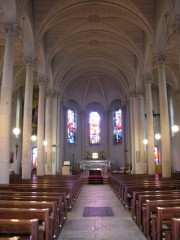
x=43, y=194
x=128, y=192
x=70, y=193
x=125, y=186
x=161, y=225
x=29, y=197
x=149, y=212
x=13, y=238
x=142, y=200
x=52, y=206
x=136, y=195
x=45, y=231
x=59, y=196
x=175, y=228
x=20, y=227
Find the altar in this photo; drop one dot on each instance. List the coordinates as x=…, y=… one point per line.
x=95, y=164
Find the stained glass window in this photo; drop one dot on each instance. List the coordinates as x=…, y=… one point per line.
x=71, y=126
x=156, y=155
x=34, y=157
x=94, y=128
x=117, y=126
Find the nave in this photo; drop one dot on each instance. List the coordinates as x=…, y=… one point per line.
x=117, y=227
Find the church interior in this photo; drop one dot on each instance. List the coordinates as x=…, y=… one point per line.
x=89, y=94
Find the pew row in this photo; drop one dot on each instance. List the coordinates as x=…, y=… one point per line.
x=21, y=227
x=45, y=225
x=52, y=206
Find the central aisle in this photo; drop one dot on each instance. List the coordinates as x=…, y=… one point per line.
x=117, y=227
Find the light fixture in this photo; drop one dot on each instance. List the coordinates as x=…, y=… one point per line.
x=16, y=131
x=145, y=141
x=157, y=136
x=175, y=128
x=34, y=135
x=33, y=138
x=45, y=143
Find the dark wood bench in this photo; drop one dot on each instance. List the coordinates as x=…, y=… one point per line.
x=29, y=197
x=161, y=225
x=142, y=201
x=149, y=212
x=52, y=206
x=57, y=195
x=128, y=192
x=20, y=227
x=14, y=238
x=175, y=228
x=71, y=195
x=136, y=195
x=124, y=187
x=45, y=231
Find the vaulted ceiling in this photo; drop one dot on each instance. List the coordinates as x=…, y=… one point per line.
x=105, y=46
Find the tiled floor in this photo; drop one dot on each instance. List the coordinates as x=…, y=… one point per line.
x=117, y=227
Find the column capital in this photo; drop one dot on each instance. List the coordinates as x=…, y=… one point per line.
x=41, y=80
x=148, y=78
x=30, y=61
x=57, y=94
x=49, y=93
x=160, y=58
x=135, y=93
x=176, y=27
x=177, y=94
x=139, y=93
x=52, y=94
x=131, y=93
x=11, y=29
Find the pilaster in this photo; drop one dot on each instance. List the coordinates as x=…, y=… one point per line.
x=11, y=31
x=27, y=120
x=164, y=117
x=150, y=129
x=40, y=133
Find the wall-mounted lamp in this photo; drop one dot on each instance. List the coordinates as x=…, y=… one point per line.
x=157, y=136
x=175, y=128
x=33, y=138
x=16, y=131
x=145, y=141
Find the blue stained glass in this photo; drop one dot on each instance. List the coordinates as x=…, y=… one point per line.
x=117, y=126
x=71, y=126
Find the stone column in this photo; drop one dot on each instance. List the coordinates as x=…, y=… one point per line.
x=59, y=135
x=137, y=132
x=59, y=140
x=40, y=130
x=132, y=131
x=54, y=131
x=11, y=31
x=150, y=128
x=48, y=132
x=141, y=133
x=164, y=118
x=27, y=120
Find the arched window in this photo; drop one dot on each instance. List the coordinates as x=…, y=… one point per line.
x=71, y=126
x=94, y=128
x=156, y=155
x=34, y=157
x=117, y=126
